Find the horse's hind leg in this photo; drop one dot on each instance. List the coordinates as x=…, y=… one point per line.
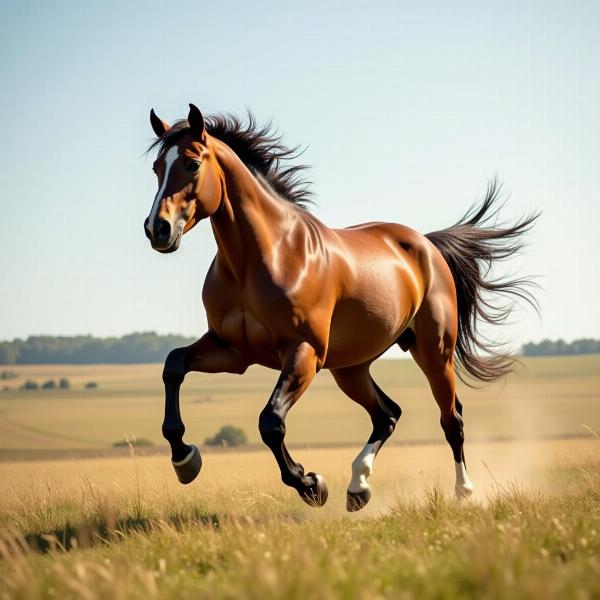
x=433, y=350
x=357, y=383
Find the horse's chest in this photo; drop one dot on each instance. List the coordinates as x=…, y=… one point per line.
x=249, y=331
x=258, y=319
x=242, y=328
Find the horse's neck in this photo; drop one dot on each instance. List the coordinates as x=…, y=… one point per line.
x=249, y=220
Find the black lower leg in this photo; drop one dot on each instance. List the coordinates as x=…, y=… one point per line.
x=385, y=418
x=173, y=427
x=452, y=425
x=272, y=431
x=458, y=405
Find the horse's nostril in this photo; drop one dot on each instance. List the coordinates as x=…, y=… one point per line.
x=163, y=231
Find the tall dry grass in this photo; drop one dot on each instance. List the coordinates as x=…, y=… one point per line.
x=106, y=533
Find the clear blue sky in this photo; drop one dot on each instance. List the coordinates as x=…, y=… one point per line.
x=408, y=108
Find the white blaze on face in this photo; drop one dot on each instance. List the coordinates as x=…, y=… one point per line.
x=170, y=158
x=464, y=487
x=362, y=467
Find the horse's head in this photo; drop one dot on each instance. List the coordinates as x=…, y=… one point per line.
x=189, y=187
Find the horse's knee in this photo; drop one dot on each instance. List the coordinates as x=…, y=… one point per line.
x=271, y=427
x=174, y=370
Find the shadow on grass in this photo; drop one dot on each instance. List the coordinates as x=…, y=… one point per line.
x=110, y=531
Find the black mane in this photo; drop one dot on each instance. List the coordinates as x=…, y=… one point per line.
x=259, y=147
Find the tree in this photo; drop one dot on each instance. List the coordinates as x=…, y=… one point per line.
x=85, y=349
x=49, y=385
x=228, y=435
x=30, y=385
x=64, y=384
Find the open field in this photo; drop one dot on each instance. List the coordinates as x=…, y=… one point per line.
x=548, y=397
x=123, y=527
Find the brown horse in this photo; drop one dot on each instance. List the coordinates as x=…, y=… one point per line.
x=287, y=292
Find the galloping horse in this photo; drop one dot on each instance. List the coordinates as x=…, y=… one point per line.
x=289, y=293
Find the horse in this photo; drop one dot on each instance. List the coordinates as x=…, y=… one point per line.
x=289, y=293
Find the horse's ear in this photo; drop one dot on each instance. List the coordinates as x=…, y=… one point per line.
x=158, y=124
x=196, y=121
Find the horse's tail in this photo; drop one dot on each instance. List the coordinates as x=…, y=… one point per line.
x=471, y=247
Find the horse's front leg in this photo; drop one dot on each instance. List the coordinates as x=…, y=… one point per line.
x=209, y=354
x=299, y=368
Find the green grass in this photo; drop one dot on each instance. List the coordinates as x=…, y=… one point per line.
x=514, y=544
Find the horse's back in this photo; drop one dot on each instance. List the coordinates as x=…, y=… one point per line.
x=399, y=252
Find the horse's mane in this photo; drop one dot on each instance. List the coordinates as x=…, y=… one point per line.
x=259, y=147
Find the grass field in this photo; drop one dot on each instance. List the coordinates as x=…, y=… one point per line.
x=122, y=526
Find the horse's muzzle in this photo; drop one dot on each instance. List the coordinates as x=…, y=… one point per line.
x=162, y=236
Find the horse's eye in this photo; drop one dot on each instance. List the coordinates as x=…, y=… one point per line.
x=193, y=166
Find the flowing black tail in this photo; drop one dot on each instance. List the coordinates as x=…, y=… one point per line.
x=471, y=247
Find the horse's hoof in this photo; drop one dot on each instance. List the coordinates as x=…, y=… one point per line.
x=317, y=493
x=188, y=468
x=357, y=500
x=463, y=491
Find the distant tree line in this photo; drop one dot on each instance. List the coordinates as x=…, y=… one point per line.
x=560, y=347
x=151, y=347
x=85, y=349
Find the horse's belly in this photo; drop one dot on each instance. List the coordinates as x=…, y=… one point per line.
x=357, y=337
x=365, y=326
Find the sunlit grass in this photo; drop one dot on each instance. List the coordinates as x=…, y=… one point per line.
x=238, y=539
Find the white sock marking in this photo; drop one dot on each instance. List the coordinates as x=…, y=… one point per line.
x=362, y=467
x=464, y=486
